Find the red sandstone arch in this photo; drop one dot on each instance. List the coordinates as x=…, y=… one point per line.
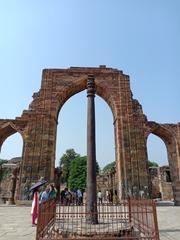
x=38, y=125
x=57, y=86
x=8, y=128
x=101, y=91
x=162, y=131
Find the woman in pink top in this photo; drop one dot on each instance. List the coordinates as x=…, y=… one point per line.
x=34, y=209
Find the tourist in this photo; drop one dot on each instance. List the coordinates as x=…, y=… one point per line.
x=45, y=195
x=67, y=197
x=74, y=197
x=79, y=197
x=62, y=196
x=53, y=191
x=107, y=196
x=35, y=205
x=99, y=196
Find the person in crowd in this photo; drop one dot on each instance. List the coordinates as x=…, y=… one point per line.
x=79, y=197
x=67, y=197
x=99, y=196
x=52, y=191
x=62, y=196
x=45, y=195
x=74, y=197
x=35, y=205
x=107, y=196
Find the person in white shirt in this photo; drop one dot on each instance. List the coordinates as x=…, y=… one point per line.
x=99, y=196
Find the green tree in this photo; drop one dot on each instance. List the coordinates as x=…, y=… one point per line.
x=108, y=167
x=78, y=173
x=2, y=161
x=65, y=162
x=152, y=164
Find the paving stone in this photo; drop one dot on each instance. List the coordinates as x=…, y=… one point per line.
x=15, y=223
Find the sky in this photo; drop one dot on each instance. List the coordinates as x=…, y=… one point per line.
x=139, y=37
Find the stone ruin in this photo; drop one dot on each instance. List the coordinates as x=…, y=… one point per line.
x=38, y=126
x=9, y=182
x=160, y=179
x=161, y=183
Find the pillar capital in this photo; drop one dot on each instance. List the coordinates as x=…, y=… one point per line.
x=91, y=86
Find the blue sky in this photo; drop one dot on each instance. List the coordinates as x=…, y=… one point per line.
x=137, y=36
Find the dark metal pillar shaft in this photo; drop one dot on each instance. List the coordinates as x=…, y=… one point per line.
x=91, y=153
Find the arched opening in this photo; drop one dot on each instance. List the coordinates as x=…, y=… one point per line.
x=10, y=159
x=72, y=129
x=157, y=151
x=12, y=147
x=159, y=170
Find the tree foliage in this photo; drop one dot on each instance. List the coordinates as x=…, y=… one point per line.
x=78, y=173
x=111, y=165
x=2, y=161
x=108, y=167
x=65, y=162
x=152, y=164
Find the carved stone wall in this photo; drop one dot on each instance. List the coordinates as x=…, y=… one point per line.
x=38, y=126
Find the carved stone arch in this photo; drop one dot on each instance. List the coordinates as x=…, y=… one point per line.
x=130, y=127
x=161, y=131
x=80, y=85
x=8, y=128
x=113, y=87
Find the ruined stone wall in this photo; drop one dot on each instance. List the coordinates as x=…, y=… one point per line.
x=155, y=180
x=8, y=185
x=161, y=183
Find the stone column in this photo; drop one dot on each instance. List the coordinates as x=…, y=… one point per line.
x=91, y=154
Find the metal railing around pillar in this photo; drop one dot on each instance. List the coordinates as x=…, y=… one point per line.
x=129, y=219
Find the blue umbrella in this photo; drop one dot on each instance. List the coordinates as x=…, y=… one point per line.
x=38, y=184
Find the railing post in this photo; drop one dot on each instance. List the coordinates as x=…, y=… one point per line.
x=39, y=222
x=46, y=217
x=129, y=205
x=155, y=220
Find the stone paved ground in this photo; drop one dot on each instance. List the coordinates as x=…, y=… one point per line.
x=169, y=223
x=15, y=223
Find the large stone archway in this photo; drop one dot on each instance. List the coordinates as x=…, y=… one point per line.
x=39, y=125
